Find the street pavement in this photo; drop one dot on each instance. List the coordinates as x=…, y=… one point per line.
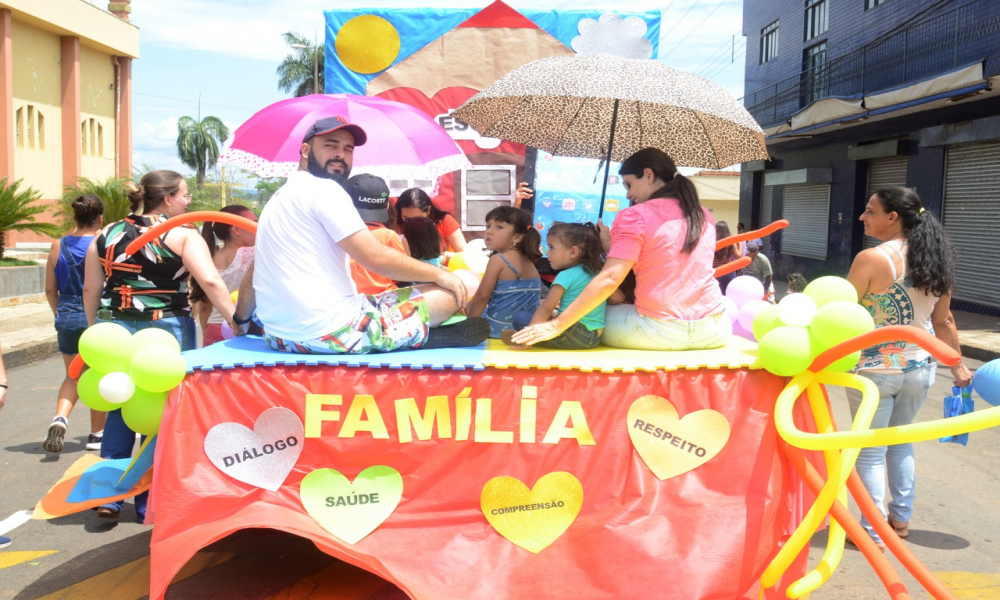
x=955, y=530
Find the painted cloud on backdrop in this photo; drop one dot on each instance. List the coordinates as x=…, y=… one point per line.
x=613, y=35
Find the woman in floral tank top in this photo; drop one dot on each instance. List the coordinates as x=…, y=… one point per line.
x=149, y=288
x=907, y=280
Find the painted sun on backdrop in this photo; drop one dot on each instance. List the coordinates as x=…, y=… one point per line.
x=367, y=44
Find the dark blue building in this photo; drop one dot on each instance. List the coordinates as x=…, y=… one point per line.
x=859, y=94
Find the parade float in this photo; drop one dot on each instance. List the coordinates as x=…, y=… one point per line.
x=497, y=473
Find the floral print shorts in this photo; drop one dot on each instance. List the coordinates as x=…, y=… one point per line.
x=392, y=320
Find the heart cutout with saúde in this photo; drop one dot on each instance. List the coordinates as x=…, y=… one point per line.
x=349, y=510
x=262, y=457
x=532, y=519
x=671, y=446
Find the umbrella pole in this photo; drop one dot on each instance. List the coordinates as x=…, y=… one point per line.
x=607, y=160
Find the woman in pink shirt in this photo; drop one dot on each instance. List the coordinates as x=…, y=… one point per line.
x=668, y=239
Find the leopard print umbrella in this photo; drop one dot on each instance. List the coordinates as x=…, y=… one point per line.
x=564, y=105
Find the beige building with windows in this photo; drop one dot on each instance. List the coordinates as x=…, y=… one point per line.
x=719, y=192
x=65, y=93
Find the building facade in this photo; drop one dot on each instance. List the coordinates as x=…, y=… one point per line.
x=855, y=95
x=65, y=94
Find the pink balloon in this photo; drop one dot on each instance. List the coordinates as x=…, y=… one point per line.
x=470, y=279
x=745, y=288
x=749, y=312
x=743, y=333
x=227, y=331
x=732, y=311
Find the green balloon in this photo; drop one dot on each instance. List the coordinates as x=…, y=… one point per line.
x=157, y=368
x=838, y=322
x=825, y=290
x=845, y=364
x=154, y=335
x=766, y=320
x=786, y=351
x=107, y=347
x=90, y=395
x=143, y=412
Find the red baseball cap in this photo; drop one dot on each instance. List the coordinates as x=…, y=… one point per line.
x=329, y=124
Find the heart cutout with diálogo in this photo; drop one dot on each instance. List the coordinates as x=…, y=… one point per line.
x=532, y=519
x=351, y=510
x=669, y=445
x=262, y=457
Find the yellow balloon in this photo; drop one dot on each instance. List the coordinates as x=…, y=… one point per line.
x=456, y=262
x=235, y=296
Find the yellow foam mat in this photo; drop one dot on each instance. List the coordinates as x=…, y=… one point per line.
x=737, y=354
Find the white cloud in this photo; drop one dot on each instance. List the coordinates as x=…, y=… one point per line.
x=613, y=35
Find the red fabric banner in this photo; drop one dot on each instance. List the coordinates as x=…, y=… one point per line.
x=707, y=533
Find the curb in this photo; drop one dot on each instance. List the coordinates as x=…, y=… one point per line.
x=983, y=354
x=30, y=353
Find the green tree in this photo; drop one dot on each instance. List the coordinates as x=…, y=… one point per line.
x=18, y=210
x=198, y=143
x=267, y=186
x=295, y=73
x=111, y=191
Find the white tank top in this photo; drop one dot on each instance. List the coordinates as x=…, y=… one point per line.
x=899, y=304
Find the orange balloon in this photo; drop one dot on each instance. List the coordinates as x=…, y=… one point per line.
x=203, y=215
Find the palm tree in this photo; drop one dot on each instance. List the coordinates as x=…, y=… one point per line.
x=111, y=191
x=198, y=143
x=18, y=211
x=296, y=71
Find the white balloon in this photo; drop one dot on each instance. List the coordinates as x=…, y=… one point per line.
x=476, y=256
x=116, y=388
x=797, y=310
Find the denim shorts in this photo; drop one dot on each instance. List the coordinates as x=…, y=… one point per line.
x=69, y=340
x=576, y=337
x=182, y=328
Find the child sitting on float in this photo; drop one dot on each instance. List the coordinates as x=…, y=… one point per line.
x=668, y=239
x=575, y=251
x=510, y=284
x=422, y=237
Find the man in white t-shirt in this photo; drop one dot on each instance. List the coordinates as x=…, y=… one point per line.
x=301, y=280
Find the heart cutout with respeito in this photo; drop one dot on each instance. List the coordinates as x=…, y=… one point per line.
x=262, y=457
x=671, y=446
x=351, y=510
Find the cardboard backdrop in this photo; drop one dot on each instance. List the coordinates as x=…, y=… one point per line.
x=707, y=533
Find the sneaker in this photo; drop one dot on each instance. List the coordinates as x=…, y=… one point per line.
x=54, y=439
x=94, y=440
x=5, y=541
x=470, y=332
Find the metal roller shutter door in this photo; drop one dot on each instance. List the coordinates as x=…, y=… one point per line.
x=884, y=172
x=766, y=206
x=972, y=217
x=807, y=209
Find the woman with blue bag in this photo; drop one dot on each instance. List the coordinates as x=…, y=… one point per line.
x=64, y=291
x=906, y=280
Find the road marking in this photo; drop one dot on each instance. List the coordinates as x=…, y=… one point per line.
x=9, y=559
x=131, y=581
x=339, y=581
x=972, y=586
x=14, y=521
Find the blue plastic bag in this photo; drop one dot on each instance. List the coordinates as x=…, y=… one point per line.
x=958, y=404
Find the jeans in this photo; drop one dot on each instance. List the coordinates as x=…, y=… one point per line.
x=119, y=440
x=626, y=328
x=577, y=337
x=900, y=398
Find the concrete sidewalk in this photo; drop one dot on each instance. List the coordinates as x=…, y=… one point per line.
x=27, y=334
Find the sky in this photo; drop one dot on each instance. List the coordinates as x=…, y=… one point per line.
x=225, y=52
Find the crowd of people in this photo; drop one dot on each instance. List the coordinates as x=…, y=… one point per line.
x=337, y=267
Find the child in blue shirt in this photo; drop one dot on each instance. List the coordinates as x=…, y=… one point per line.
x=422, y=237
x=575, y=250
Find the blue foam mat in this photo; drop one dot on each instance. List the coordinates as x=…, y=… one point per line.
x=252, y=351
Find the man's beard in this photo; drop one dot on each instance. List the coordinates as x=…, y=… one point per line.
x=318, y=170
